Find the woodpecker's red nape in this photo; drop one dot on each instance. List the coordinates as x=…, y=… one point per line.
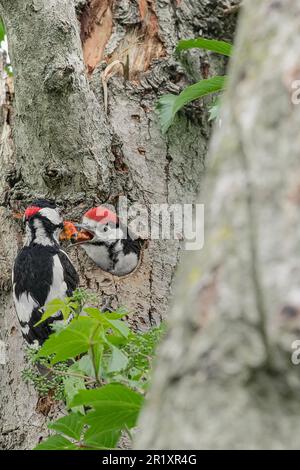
x=31, y=211
x=101, y=214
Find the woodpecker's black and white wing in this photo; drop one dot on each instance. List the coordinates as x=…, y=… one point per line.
x=71, y=277
x=41, y=274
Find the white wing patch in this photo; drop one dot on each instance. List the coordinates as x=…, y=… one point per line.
x=58, y=289
x=25, y=305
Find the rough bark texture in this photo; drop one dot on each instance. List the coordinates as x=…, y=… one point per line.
x=66, y=147
x=225, y=378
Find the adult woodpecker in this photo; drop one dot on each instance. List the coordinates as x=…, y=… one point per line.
x=108, y=242
x=42, y=271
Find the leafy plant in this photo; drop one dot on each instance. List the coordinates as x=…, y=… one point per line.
x=169, y=105
x=2, y=30
x=110, y=409
x=52, y=381
x=99, y=367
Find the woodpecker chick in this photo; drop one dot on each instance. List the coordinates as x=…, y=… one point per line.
x=42, y=271
x=108, y=242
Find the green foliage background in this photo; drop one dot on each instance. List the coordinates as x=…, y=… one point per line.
x=99, y=367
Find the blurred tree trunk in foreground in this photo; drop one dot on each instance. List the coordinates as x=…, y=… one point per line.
x=65, y=146
x=225, y=378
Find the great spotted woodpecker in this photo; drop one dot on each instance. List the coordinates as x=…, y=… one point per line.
x=108, y=242
x=42, y=271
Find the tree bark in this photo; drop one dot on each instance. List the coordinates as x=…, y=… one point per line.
x=67, y=147
x=225, y=378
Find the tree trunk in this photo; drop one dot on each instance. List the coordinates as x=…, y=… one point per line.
x=225, y=376
x=67, y=147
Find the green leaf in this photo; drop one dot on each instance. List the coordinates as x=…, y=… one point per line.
x=96, y=353
x=8, y=69
x=75, y=339
x=106, y=417
x=101, y=440
x=118, y=360
x=56, y=442
x=96, y=313
x=120, y=313
x=93, y=312
x=70, y=425
x=115, y=407
x=72, y=386
x=2, y=30
x=116, y=340
x=85, y=365
x=169, y=105
x=118, y=326
x=51, y=308
x=221, y=47
x=107, y=393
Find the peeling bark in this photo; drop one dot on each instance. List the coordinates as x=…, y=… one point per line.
x=96, y=27
x=66, y=147
x=225, y=377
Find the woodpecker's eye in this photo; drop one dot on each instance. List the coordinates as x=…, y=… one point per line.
x=105, y=228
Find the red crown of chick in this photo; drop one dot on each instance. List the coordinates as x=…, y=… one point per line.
x=101, y=214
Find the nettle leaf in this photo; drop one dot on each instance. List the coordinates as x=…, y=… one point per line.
x=108, y=393
x=96, y=353
x=221, y=47
x=120, y=313
x=70, y=425
x=101, y=440
x=118, y=360
x=75, y=339
x=56, y=442
x=93, y=312
x=118, y=326
x=114, y=407
x=51, y=308
x=85, y=365
x=106, y=417
x=169, y=105
x=116, y=340
x=101, y=316
x=72, y=385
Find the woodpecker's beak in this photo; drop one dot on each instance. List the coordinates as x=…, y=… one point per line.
x=68, y=232
x=83, y=234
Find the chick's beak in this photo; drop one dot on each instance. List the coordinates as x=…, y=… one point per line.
x=69, y=231
x=84, y=235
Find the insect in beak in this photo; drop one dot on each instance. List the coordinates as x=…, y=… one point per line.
x=68, y=232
